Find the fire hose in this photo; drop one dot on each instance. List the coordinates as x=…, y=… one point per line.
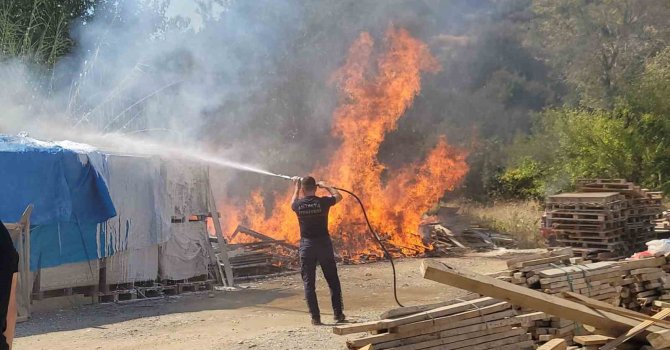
x=374, y=234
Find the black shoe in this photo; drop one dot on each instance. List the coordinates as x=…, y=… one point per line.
x=340, y=318
x=316, y=321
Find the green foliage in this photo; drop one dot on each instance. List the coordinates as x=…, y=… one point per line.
x=524, y=181
x=37, y=31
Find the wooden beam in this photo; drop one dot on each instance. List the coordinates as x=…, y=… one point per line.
x=228, y=279
x=541, y=261
x=643, y=263
x=608, y=322
x=596, y=304
x=554, y=344
x=562, y=251
x=441, y=321
x=635, y=330
x=410, y=310
x=591, y=339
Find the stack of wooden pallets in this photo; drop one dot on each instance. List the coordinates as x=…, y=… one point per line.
x=482, y=323
x=642, y=208
x=590, y=223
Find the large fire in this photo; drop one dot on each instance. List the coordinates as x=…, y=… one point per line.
x=377, y=85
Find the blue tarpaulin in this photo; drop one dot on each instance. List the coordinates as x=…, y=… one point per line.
x=69, y=195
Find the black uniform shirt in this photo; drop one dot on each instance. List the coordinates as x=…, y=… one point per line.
x=312, y=214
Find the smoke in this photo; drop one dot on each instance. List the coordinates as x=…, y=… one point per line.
x=248, y=80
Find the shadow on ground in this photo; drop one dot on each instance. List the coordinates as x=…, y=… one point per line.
x=98, y=316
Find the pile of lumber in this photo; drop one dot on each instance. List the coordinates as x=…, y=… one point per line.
x=662, y=223
x=481, y=323
x=555, y=272
x=445, y=240
x=632, y=284
x=593, y=224
x=619, y=326
x=644, y=281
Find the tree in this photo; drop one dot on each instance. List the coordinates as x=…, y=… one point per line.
x=599, y=46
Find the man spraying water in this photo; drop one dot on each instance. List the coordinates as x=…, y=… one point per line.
x=315, y=244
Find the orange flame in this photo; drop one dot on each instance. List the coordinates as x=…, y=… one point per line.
x=376, y=90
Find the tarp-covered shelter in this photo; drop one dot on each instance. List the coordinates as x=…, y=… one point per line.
x=69, y=195
x=105, y=218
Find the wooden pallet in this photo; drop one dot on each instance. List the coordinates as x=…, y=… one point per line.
x=116, y=296
x=91, y=291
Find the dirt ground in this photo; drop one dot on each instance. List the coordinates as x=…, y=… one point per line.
x=269, y=314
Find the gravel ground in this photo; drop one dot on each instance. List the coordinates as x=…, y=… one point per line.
x=269, y=314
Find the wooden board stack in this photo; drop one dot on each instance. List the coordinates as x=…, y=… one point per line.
x=644, y=282
x=642, y=208
x=477, y=324
x=557, y=271
x=632, y=284
x=590, y=223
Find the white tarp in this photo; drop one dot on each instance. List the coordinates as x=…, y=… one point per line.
x=142, y=239
x=137, y=190
x=185, y=254
x=186, y=188
x=133, y=265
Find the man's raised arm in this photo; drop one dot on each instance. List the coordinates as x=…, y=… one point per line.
x=296, y=190
x=333, y=192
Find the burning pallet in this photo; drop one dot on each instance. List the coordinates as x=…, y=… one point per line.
x=265, y=256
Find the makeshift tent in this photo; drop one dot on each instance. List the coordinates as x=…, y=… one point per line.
x=68, y=192
x=102, y=218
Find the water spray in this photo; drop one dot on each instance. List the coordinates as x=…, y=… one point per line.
x=372, y=232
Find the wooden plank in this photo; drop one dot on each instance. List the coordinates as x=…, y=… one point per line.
x=584, y=270
x=592, y=339
x=409, y=310
x=614, y=309
x=228, y=279
x=646, y=270
x=561, y=251
x=609, y=323
x=541, y=261
x=499, y=307
x=602, y=275
x=642, y=263
x=554, y=344
x=426, y=315
x=635, y=330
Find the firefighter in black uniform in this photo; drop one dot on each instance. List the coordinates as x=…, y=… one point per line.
x=315, y=244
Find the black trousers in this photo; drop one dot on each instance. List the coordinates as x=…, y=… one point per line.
x=315, y=251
